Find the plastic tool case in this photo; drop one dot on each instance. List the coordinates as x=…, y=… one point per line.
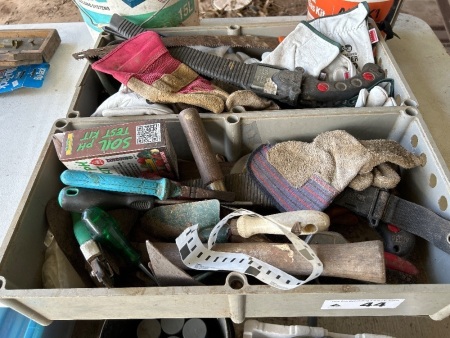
x=22, y=254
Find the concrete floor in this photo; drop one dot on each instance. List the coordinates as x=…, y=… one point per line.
x=430, y=12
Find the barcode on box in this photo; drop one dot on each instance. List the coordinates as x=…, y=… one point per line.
x=148, y=133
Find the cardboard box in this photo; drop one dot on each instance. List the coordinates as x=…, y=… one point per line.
x=139, y=149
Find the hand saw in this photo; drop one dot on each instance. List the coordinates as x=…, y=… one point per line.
x=124, y=29
x=291, y=87
x=244, y=41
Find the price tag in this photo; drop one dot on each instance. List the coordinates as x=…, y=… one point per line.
x=362, y=304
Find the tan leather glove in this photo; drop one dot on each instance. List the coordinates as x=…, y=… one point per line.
x=144, y=65
x=300, y=175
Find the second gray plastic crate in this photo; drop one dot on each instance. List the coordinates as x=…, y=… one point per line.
x=22, y=254
x=89, y=93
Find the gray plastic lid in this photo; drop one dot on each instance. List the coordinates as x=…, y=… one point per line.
x=172, y=325
x=149, y=328
x=195, y=328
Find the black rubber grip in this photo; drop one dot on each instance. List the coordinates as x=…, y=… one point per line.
x=124, y=28
x=315, y=92
x=215, y=67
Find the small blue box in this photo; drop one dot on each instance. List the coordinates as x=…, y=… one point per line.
x=133, y=3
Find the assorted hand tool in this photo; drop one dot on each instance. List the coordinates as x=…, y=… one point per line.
x=104, y=229
x=169, y=221
x=162, y=188
x=339, y=260
x=302, y=181
x=291, y=87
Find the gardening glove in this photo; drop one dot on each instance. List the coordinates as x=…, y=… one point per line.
x=304, y=47
x=145, y=66
x=376, y=97
x=339, y=70
x=126, y=102
x=379, y=171
x=250, y=101
x=383, y=176
x=300, y=175
x=351, y=31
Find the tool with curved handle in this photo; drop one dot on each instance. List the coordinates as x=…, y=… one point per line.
x=300, y=222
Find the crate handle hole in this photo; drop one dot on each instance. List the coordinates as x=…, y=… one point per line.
x=237, y=110
x=233, y=119
x=236, y=281
x=414, y=141
x=433, y=181
x=411, y=111
x=411, y=103
x=424, y=157
x=61, y=124
x=73, y=114
x=234, y=30
x=443, y=204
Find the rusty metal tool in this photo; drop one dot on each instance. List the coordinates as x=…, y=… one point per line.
x=124, y=29
x=244, y=41
x=162, y=188
x=201, y=149
x=247, y=192
x=169, y=221
x=363, y=261
x=166, y=273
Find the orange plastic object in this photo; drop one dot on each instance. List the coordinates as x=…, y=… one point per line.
x=379, y=9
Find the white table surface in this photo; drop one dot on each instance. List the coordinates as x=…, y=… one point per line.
x=27, y=115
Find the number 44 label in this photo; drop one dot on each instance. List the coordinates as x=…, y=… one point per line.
x=361, y=304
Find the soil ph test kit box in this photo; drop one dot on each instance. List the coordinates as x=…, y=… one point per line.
x=139, y=149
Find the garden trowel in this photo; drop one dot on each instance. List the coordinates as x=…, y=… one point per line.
x=168, y=222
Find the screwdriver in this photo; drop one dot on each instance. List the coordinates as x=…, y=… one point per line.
x=92, y=252
x=104, y=228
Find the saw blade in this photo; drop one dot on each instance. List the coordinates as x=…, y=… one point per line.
x=243, y=41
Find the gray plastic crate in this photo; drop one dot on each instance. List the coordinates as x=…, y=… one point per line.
x=22, y=254
x=88, y=94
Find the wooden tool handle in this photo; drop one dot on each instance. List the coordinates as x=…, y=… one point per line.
x=362, y=261
x=301, y=222
x=201, y=149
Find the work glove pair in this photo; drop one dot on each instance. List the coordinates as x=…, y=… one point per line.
x=376, y=97
x=308, y=176
x=128, y=103
x=145, y=66
x=316, y=44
